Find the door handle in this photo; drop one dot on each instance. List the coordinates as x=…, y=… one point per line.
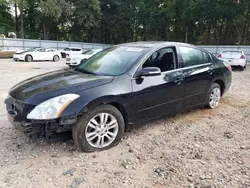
x=210, y=71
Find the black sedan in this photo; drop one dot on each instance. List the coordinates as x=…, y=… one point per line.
x=121, y=85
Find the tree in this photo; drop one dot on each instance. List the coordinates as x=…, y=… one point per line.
x=85, y=17
x=51, y=11
x=6, y=19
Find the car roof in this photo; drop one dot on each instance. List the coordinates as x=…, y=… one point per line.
x=153, y=44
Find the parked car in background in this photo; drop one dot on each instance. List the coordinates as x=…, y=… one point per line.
x=121, y=85
x=235, y=58
x=7, y=52
x=71, y=51
x=75, y=60
x=38, y=54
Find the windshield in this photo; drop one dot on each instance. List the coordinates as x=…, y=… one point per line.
x=113, y=61
x=30, y=50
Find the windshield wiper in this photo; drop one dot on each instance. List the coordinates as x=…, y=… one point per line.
x=84, y=71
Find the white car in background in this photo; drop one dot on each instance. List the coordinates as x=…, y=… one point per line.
x=38, y=54
x=71, y=51
x=75, y=60
x=235, y=58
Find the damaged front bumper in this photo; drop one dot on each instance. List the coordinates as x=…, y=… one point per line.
x=47, y=130
x=52, y=130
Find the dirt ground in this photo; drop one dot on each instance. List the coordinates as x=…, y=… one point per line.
x=201, y=148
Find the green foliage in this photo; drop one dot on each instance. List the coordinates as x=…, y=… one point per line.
x=6, y=19
x=117, y=21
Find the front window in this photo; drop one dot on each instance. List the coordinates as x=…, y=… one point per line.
x=164, y=59
x=113, y=61
x=41, y=50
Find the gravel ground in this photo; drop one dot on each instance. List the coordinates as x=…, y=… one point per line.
x=201, y=148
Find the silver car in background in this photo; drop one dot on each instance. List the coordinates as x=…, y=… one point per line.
x=235, y=58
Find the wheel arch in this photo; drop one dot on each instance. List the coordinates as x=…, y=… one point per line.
x=81, y=107
x=222, y=85
x=122, y=110
x=28, y=55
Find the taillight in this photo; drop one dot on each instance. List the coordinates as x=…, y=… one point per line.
x=228, y=66
x=219, y=56
x=243, y=57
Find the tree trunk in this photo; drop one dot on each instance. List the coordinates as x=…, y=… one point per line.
x=21, y=19
x=16, y=21
x=186, y=35
x=45, y=37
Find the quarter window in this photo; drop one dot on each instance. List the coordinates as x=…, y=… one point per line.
x=207, y=58
x=191, y=56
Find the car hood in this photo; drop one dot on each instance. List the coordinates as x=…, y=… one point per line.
x=42, y=87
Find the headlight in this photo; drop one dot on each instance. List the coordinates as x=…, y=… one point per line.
x=52, y=108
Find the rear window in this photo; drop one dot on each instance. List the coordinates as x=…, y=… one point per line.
x=231, y=54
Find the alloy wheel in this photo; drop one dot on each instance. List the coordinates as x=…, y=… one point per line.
x=101, y=130
x=215, y=97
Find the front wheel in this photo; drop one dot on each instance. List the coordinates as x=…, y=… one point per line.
x=28, y=58
x=99, y=129
x=214, y=96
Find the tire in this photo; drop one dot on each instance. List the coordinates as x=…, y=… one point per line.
x=242, y=68
x=56, y=58
x=28, y=58
x=213, y=98
x=99, y=134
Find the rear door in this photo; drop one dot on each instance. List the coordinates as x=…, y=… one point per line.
x=198, y=71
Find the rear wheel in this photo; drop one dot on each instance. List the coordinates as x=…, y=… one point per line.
x=56, y=58
x=214, y=96
x=99, y=129
x=28, y=58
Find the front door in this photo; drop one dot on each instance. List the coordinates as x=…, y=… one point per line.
x=39, y=54
x=155, y=96
x=198, y=72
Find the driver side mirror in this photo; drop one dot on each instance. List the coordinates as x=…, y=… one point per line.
x=149, y=71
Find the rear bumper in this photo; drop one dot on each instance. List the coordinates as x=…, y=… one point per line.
x=237, y=62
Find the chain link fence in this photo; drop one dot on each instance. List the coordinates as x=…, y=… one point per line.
x=24, y=44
